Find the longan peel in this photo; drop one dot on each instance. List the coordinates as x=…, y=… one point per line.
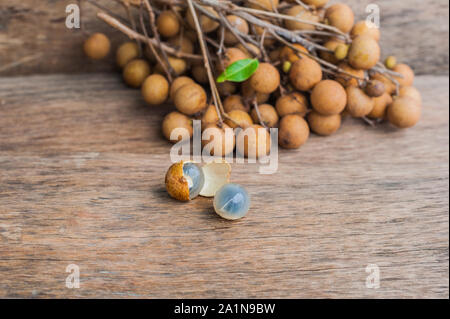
x=178, y=83
x=126, y=52
x=267, y=5
x=365, y=28
x=314, y=3
x=182, y=43
x=210, y=116
x=340, y=16
x=226, y=88
x=324, y=125
x=266, y=79
x=375, y=88
x=239, y=24
x=406, y=72
x=329, y=97
x=330, y=45
x=293, y=131
x=389, y=86
x=207, y=24
x=97, y=46
x=135, y=72
x=411, y=92
x=305, y=74
x=239, y=119
x=199, y=74
x=224, y=144
x=291, y=55
x=358, y=103
x=173, y=121
x=251, y=143
x=177, y=64
x=248, y=93
x=168, y=24
x=347, y=80
x=234, y=102
x=364, y=53
x=268, y=115
x=380, y=106
x=190, y=99
x=293, y=103
x=404, y=112
x=255, y=51
x=231, y=56
x=300, y=13
x=155, y=89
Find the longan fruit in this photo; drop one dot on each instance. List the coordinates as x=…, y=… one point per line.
x=404, y=112
x=199, y=73
x=248, y=142
x=155, y=89
x=173, y=121
x=340, y=16
x=248, y=93
x=269, y=40
x=291, y=55
x=330, y=45
x=126, y=52
x=305, y=74
x=293, y=103
x=329, y=97
x=300, y=13
x=389, y=86
x=365, y=28
x=375, y=88
x=315, y=3
x=347, y=80
x=207, y=24
x=239, y=24
x=239, y=119
x=411, y=92
x=364, y=52
x=380, y=106
x=135, y=72
x=266, y=79
x=358, y=103
x=226, y=88
x=407, y=72
x=233, y=55
x=190, y=99
x=234, y=102
x=178, y=83
x=267, y=5
x=177, y=64
x=225, y=145
x=324, y=125
x=97, y=46
x=182, y=43
x=210, y=116
x=293, y=131
x=168, y=24
x=249, y=54
x=268, y=115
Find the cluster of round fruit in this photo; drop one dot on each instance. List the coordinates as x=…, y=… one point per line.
x=295, y=89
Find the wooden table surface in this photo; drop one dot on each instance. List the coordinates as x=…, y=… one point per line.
x=82, y=166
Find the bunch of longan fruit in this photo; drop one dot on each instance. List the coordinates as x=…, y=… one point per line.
x=296, y=88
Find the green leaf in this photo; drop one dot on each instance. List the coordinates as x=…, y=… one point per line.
x=239, y=71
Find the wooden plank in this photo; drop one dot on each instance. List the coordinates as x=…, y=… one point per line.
x=416, y=31
x=82, y=167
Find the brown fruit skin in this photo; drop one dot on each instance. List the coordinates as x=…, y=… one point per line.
x=388, y=84
x=178, y=65
x=375, y=88
x=232, y=55
x=190, y=99
x=362, y=28
x=324, y=125
x=358, y=103
x=411, y=92
x=126, y=52
x=293, y=103
x=206, y=23
x=300, y=13
x=380, y=106
x=155, y=89
x=268, y=115
x=199, y=74
x=340, y=16
x=234, y=102
x=97, y=46
x=168, y=24
x=266, y=79
x=242, y=119
x=407, y=72
x=249, y=146
x=182, y=43
x=249, y=54
x=305, y=74
x=404, y=112
x=291, y=55
x=240, y=24
x=329, y=56
x=293, y=132
x=329, y=97
x=135, y=72
x=346, y=80
x=176, y=120
x=248, y=93
x=267, y=5
x=178, y=83
x=314, y=3
x=210, y=116
x=228, y=142
x=176, y=185
x=364, y=53
x=226, y=88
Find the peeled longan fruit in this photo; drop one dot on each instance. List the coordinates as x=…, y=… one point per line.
x=411, y=92
x=207, y=24
x=135, y=72
x=407, y=72
x=266, y=79
x=300, y=13
x=251, y=143
x=233, y=55
x=305, y=74
x=404, y=112
x=210, y=116
x=293, y=131
x=329, y=97
x=226, y=88
x=347, y=80
x=126, y=52
x=178, y=65
x=293, y=103
x=358, y=103
x=190, y=99
x=239, y=24
x=221, y=146
x=254, y=48
x=182, y=43
x=380, y=106
x=168, y=24
x=364, y=52
x=324, y=125
x=366, y=28
x=155, y=89
x=375, y=88
x=340, y=16
x=330, y=45
x=268, y=115
x=97, y=46
x=249, y=93
x=388, y=84
x=234, y=102
x=239, y=119
x=177, y=83
x=173, y=121
x=267, y=5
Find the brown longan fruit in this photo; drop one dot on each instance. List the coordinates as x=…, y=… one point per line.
x=210, y=116
x=331, y=45
x=239, y=119
x=347, y=80
x=340, y=16
x=177, y=64
x=404, y=112
x=267, y=5
x=226, y=88
x=293, y=131
x=358, y=103
x=291, y=55
x=407, y=72
x=324, y=125
x=248, y=142
x=365, y=28
x=268, y=115
x=255, y=51
x=155, y=89
x=266, y=79
x=168, y=24
x=173, y=121
x=182, y=43
x=329, y=97
x=248, y=93
x=389, y=86
x=305, y=74
x=207, y=24
x=178, y=83
x=135, y=72
x=239, y=24
x=300, y=13
x=364, y=52
x=231, y=56
x=97, y=46
x=199, y=73
x=315, y=3
x=190, y=99
x=126, y=52
x=225, y=145
x=411, y=92
x=234, y=102
x=292, y=103
x=375, y=88
x=380, y=106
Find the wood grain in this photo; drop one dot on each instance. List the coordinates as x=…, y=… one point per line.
x=415, y=31
x=82, y=167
